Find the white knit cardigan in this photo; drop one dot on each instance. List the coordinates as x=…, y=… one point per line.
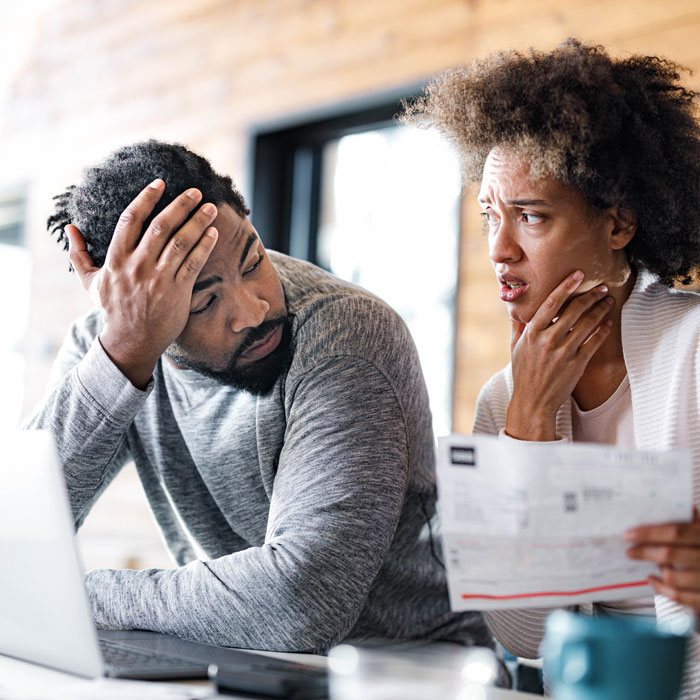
x=661, y=345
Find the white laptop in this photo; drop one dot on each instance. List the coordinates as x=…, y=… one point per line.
x=45, y=616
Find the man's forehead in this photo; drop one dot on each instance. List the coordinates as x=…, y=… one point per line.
x=232, y=227
x=236, y=237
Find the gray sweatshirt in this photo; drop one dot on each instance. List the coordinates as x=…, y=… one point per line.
x=297, y=519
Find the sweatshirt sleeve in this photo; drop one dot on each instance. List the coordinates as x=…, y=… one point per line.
x=88, y=408
x=336, y=502
x=519, y=631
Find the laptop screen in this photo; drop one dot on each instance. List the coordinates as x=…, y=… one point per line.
x=44, y=611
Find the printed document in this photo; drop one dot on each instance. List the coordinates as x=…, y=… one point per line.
x=528, y=524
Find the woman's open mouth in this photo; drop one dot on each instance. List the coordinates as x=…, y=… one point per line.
x=511, y=288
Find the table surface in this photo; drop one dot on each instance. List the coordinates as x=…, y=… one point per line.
x=20, y=681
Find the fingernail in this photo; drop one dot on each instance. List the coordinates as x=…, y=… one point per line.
x=208, y=209
x=157, y=184
x=578, y=275
x=609, y=300
x=603, y=289
x=193, y=193
x=211, y=232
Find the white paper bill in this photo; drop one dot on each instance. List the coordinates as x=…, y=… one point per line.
x=537, y=525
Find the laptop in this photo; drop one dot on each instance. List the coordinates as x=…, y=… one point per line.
x=45, y=616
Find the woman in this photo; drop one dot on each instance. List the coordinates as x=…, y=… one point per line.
x=590, y=176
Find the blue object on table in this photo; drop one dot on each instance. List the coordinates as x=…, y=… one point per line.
x=606, y=658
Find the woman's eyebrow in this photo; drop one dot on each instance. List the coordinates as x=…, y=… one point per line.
x=518, y=202
x=527, y=203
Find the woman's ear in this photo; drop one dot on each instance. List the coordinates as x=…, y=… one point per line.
x=623, y=226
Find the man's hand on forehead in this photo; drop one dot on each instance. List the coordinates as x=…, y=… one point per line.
x=145, y=286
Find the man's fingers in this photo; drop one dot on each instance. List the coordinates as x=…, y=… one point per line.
x=552, y=305
x=182, y=242
x=194, y=262
x=79, y=257
x=170, y=225
x=131, y=221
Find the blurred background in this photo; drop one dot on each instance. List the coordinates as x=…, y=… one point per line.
x=295, y=100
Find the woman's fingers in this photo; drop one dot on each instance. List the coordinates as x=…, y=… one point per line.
x=552, y=305
x=684, y=596
x=582, y=312
x=667, y=533
x=516, y=331
x=668, y=555
x=686, y=579
x=593, y=342
x=675, y=547
x=588, y=323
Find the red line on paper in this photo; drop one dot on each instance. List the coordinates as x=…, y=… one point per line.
x=540, y=594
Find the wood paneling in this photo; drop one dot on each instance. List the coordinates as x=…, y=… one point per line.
x=103, y=73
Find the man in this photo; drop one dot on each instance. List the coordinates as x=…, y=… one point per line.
x=277, y=417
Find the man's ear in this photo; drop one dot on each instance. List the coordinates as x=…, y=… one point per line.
x=623, y=226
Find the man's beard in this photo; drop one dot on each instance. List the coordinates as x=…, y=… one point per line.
x=256, y=377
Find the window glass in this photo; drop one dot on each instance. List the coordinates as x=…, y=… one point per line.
x=14, y=312
x=389, y=221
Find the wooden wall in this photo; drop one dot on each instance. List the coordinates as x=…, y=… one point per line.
x=100, y=74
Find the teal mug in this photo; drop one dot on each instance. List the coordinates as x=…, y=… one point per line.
x=606, y=658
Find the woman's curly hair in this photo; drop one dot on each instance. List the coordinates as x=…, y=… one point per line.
x=622, y=132
x=94, y=205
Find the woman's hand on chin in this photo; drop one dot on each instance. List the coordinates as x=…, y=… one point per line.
x=550, y=353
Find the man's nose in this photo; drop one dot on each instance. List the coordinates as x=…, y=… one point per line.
x=503, y=246
x=249, y=311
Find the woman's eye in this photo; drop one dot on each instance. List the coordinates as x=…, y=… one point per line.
x=489, y=218
x=531, y=218
x=203, y=308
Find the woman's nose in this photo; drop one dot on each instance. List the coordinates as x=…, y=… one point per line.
x=503, y=246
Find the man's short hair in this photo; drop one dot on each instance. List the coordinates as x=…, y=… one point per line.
x=621, y=131
x=106, y=189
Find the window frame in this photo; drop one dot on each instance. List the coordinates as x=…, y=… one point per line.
x=13, y=198
x=285, y=176
x=286, y=169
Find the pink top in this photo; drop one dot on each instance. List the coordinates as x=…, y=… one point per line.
x=611, y=423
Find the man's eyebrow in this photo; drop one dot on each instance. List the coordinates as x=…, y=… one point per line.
x=208, y=282
x=251, y=239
